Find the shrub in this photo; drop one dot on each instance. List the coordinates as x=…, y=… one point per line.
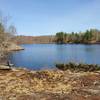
x=78, y=67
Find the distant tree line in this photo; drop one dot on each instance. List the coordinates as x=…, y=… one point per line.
x=89, y=36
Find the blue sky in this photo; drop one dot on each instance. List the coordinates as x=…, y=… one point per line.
x=46, y=17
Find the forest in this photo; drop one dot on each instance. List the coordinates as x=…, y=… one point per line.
x=89, y=36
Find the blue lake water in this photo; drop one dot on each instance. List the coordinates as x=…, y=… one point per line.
x=40, y=56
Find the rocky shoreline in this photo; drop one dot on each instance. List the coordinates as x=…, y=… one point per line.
x=14, y=47
x=24, y=84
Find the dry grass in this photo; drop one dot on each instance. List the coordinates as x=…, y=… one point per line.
x=21, y=84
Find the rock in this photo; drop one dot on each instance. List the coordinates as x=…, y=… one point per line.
x=14, y=47
x=3, y=67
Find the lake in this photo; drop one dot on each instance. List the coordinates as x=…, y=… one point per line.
x=42, y=56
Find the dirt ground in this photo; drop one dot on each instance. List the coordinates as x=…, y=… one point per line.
x=23, y=84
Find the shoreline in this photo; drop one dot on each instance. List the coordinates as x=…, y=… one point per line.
x=61, y=44
x=14, y=47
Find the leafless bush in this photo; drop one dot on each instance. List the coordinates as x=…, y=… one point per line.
x=6, y=33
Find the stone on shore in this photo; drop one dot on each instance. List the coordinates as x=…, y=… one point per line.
x=3, y=67
x=14, y=47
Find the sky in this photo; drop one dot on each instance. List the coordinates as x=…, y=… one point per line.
x=46, y=17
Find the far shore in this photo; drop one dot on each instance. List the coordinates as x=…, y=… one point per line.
x=50, y=39
x=61, y=43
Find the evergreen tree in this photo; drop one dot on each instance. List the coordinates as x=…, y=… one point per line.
x=60, y=37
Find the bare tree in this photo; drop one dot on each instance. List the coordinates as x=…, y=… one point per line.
x=6, y=33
